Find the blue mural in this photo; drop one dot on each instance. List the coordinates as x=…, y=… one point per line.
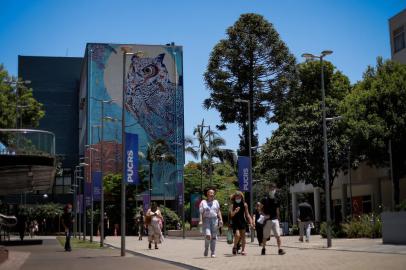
x=153, y=88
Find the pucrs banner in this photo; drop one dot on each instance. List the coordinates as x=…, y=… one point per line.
x=88, y=194
x=96, y=179
x=195, y=199
x=244, y=173
x=131, y=159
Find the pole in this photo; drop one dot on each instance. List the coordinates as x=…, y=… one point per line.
x=74, y=200
x=90, y=157
x=164, y=209
x=326, y=171
x=349, y=177
x=101, y=173
x=183, y=209
x=391, y=174
x=78, y=206
x=250, y=155
x=123, y=225
x=210, y=157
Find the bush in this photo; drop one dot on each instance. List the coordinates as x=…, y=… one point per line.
x=336, y=230
x=294, y=230
x=172, y=219
x=401, y=206
x=365, y=226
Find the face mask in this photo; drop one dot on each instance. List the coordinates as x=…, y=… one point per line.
x=238, y=200
x=69, y=210
x=272, y=194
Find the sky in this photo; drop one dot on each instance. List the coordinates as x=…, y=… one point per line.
x=356, y=30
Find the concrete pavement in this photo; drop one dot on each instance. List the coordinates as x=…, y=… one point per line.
x=345, y=254
x=51, y=256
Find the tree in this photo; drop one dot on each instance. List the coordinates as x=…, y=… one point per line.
x=158, y=151
x=29, y=110
x=254, y=64
x=375, y=112
x=295, y=151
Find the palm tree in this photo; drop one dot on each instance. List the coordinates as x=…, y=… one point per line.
x=209, y=143
x=158, y=151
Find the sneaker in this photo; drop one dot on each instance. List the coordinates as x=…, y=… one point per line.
x=149, y=246
x=263, y=251
x=213, y=255
x=206, y=253
x=281, y=251
x=156, y=247
x=301, y=239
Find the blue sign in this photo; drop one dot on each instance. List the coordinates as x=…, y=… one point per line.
x=244, y=173
x=96, y=179
x=88, y=193
x=131, y=159
x=146, y=200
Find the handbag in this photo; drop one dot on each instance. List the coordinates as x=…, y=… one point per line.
x=230, y=236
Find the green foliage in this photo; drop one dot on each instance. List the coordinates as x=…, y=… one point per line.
x=295, y=151
x=336, y=230
x=30, y=110
x=401, y=206
x=375, y=112
x=254, y=64
x=172, y=219
x=365, y=226
x=42, y=211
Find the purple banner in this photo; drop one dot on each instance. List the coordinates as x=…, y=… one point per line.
x=145, y=201
x=96, y=179
x=195, y=199
x=79, y=199
x=88, y=194
x=131, y=159
x=180, y=192
x=244, y=173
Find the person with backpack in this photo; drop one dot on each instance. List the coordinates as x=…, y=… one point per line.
x=305, y=219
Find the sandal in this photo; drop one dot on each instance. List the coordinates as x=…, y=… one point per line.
x=243, y=253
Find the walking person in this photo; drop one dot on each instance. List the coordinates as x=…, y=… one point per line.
x=259, y=227
x=67, y=222
x=140, y=222
x=106, y=225
x=305, y=219
x=211, y=219
x=270, y=209
x=154, y=220
x=240, y=216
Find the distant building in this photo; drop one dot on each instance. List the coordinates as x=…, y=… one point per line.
x=397, y=32
x=55, y=84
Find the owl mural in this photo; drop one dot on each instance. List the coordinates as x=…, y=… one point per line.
x=150, y=96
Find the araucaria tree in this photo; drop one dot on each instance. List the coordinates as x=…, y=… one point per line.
x=253, y=64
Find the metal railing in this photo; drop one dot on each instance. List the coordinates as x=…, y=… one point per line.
x=27, y=142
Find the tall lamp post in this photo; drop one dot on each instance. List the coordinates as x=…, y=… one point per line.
x=310, y=56
x=102, y=102
x=82, y=164
x=250, y=156
x=91, y=188
x=201, y=161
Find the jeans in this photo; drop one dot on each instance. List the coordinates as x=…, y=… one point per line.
x=305, y=225
x=210, y=229
x=67, y=240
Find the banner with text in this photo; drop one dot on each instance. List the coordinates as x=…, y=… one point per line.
x=244, y=173
x=131, y=159
x=96, y=179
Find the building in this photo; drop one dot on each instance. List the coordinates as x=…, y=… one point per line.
x=55, y=84
x=153, y=83
x=397, y=30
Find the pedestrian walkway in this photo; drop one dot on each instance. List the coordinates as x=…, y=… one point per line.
x=51, y=256
x=345, y=254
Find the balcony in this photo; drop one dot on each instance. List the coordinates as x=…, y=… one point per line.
x=27, y=160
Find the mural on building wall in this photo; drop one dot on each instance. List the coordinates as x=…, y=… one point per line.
x=153, y=102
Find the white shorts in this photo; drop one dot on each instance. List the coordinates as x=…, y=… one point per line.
x=271, y=225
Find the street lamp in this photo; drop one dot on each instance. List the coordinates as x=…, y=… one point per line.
x=239, y=100
x=165, y=187
x=91, y=190
x=102, y=102
x=201, y=161
x=310, y=56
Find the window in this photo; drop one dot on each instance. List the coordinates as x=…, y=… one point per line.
x=399, y=39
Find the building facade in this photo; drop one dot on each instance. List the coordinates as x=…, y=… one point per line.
x=397, y=32
x=151, y=78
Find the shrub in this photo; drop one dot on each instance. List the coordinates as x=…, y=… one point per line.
x=364, y=226
x=336, y=230
x=172, y=219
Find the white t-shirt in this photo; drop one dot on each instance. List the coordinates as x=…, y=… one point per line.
x=209, y=209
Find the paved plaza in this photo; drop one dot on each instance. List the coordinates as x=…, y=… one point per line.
x=345, y=254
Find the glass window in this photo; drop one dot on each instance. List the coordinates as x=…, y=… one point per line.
x=399, y=39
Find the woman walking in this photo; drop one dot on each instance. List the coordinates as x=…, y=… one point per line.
x=154, y=219
x=239, y=215
x=211, y=218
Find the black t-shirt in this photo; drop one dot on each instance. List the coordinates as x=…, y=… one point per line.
x=68, y=220
x=270, y=206
x=305, y=212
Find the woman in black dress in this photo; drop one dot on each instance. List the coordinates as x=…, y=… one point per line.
x=239, y=216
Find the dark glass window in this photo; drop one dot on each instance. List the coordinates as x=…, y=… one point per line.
x=399, y=39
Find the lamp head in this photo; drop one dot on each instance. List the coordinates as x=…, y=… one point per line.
x=308, y=56
x=326, y=52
